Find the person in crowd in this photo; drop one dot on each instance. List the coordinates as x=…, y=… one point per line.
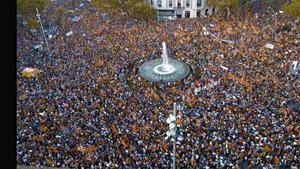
x=89, y=108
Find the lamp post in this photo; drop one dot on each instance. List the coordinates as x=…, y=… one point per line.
x=39, y=17
x=171, y=120
x=157, y=18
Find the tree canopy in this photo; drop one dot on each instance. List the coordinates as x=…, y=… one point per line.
x=58, y=13
x=293, y=8
x=230, y=5
x=27, y=8
x=223, y=4
x=134, y=8
x=106, y=5
x=142, y=10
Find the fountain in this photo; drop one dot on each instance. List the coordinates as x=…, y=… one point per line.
x=165, y=69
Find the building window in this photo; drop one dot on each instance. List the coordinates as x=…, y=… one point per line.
x=187, y=3
x=159, y=3
x=170, y=3
x=187, y=14
x=199, y=3
x=151, y=2
x=198, y=13
x=179, y=4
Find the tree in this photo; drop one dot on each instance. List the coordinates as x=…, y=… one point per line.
x=141, y=10
x=58, y=14
x=293, y=8
x=276, y=5
x=228, y=5
x=135, y=8
x=106, y=5
x=33, y=24
x=27, y=8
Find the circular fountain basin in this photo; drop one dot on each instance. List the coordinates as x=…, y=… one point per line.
x=156, y=71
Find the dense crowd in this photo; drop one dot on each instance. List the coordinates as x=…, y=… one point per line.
x=89, y=108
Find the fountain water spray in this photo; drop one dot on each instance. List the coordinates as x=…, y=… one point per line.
x=165, y=57
x=165, y=69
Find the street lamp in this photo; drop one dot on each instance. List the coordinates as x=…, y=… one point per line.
x=157, y=14
x=171, y=120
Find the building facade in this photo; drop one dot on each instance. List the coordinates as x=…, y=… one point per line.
x=181, y=8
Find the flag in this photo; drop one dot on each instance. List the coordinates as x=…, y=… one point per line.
x=124, y=140
x=114, y=129
x=282, y=110
x=164, y=146
x=91, y=149
x=133, y=128
x=30, y=72
x=80, y=148
x=53, y=149
x=179, y=122
x=43, y=128
x=36, y=138
x=210, y=68
x=146, y=127
x=154, y=95
x=193, y=163
x=89, y=157
x=49, y=162
x=124, y=143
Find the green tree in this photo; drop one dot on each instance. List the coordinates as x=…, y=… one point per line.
x=293, y=9
x=276, y=5
x=27, y=8
x=58, y=15
x=141, y=10
x=106, y=5
x=230, y=6
x=134, y=8
x=33, y=24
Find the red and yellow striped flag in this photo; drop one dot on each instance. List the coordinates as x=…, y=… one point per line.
x=114, y=129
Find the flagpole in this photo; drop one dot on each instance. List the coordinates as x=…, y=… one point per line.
x=171, y=120
x=175, y=137
x=157, y=17
x=39, y=17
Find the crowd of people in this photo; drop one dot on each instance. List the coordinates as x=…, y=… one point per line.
x=89, y=108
